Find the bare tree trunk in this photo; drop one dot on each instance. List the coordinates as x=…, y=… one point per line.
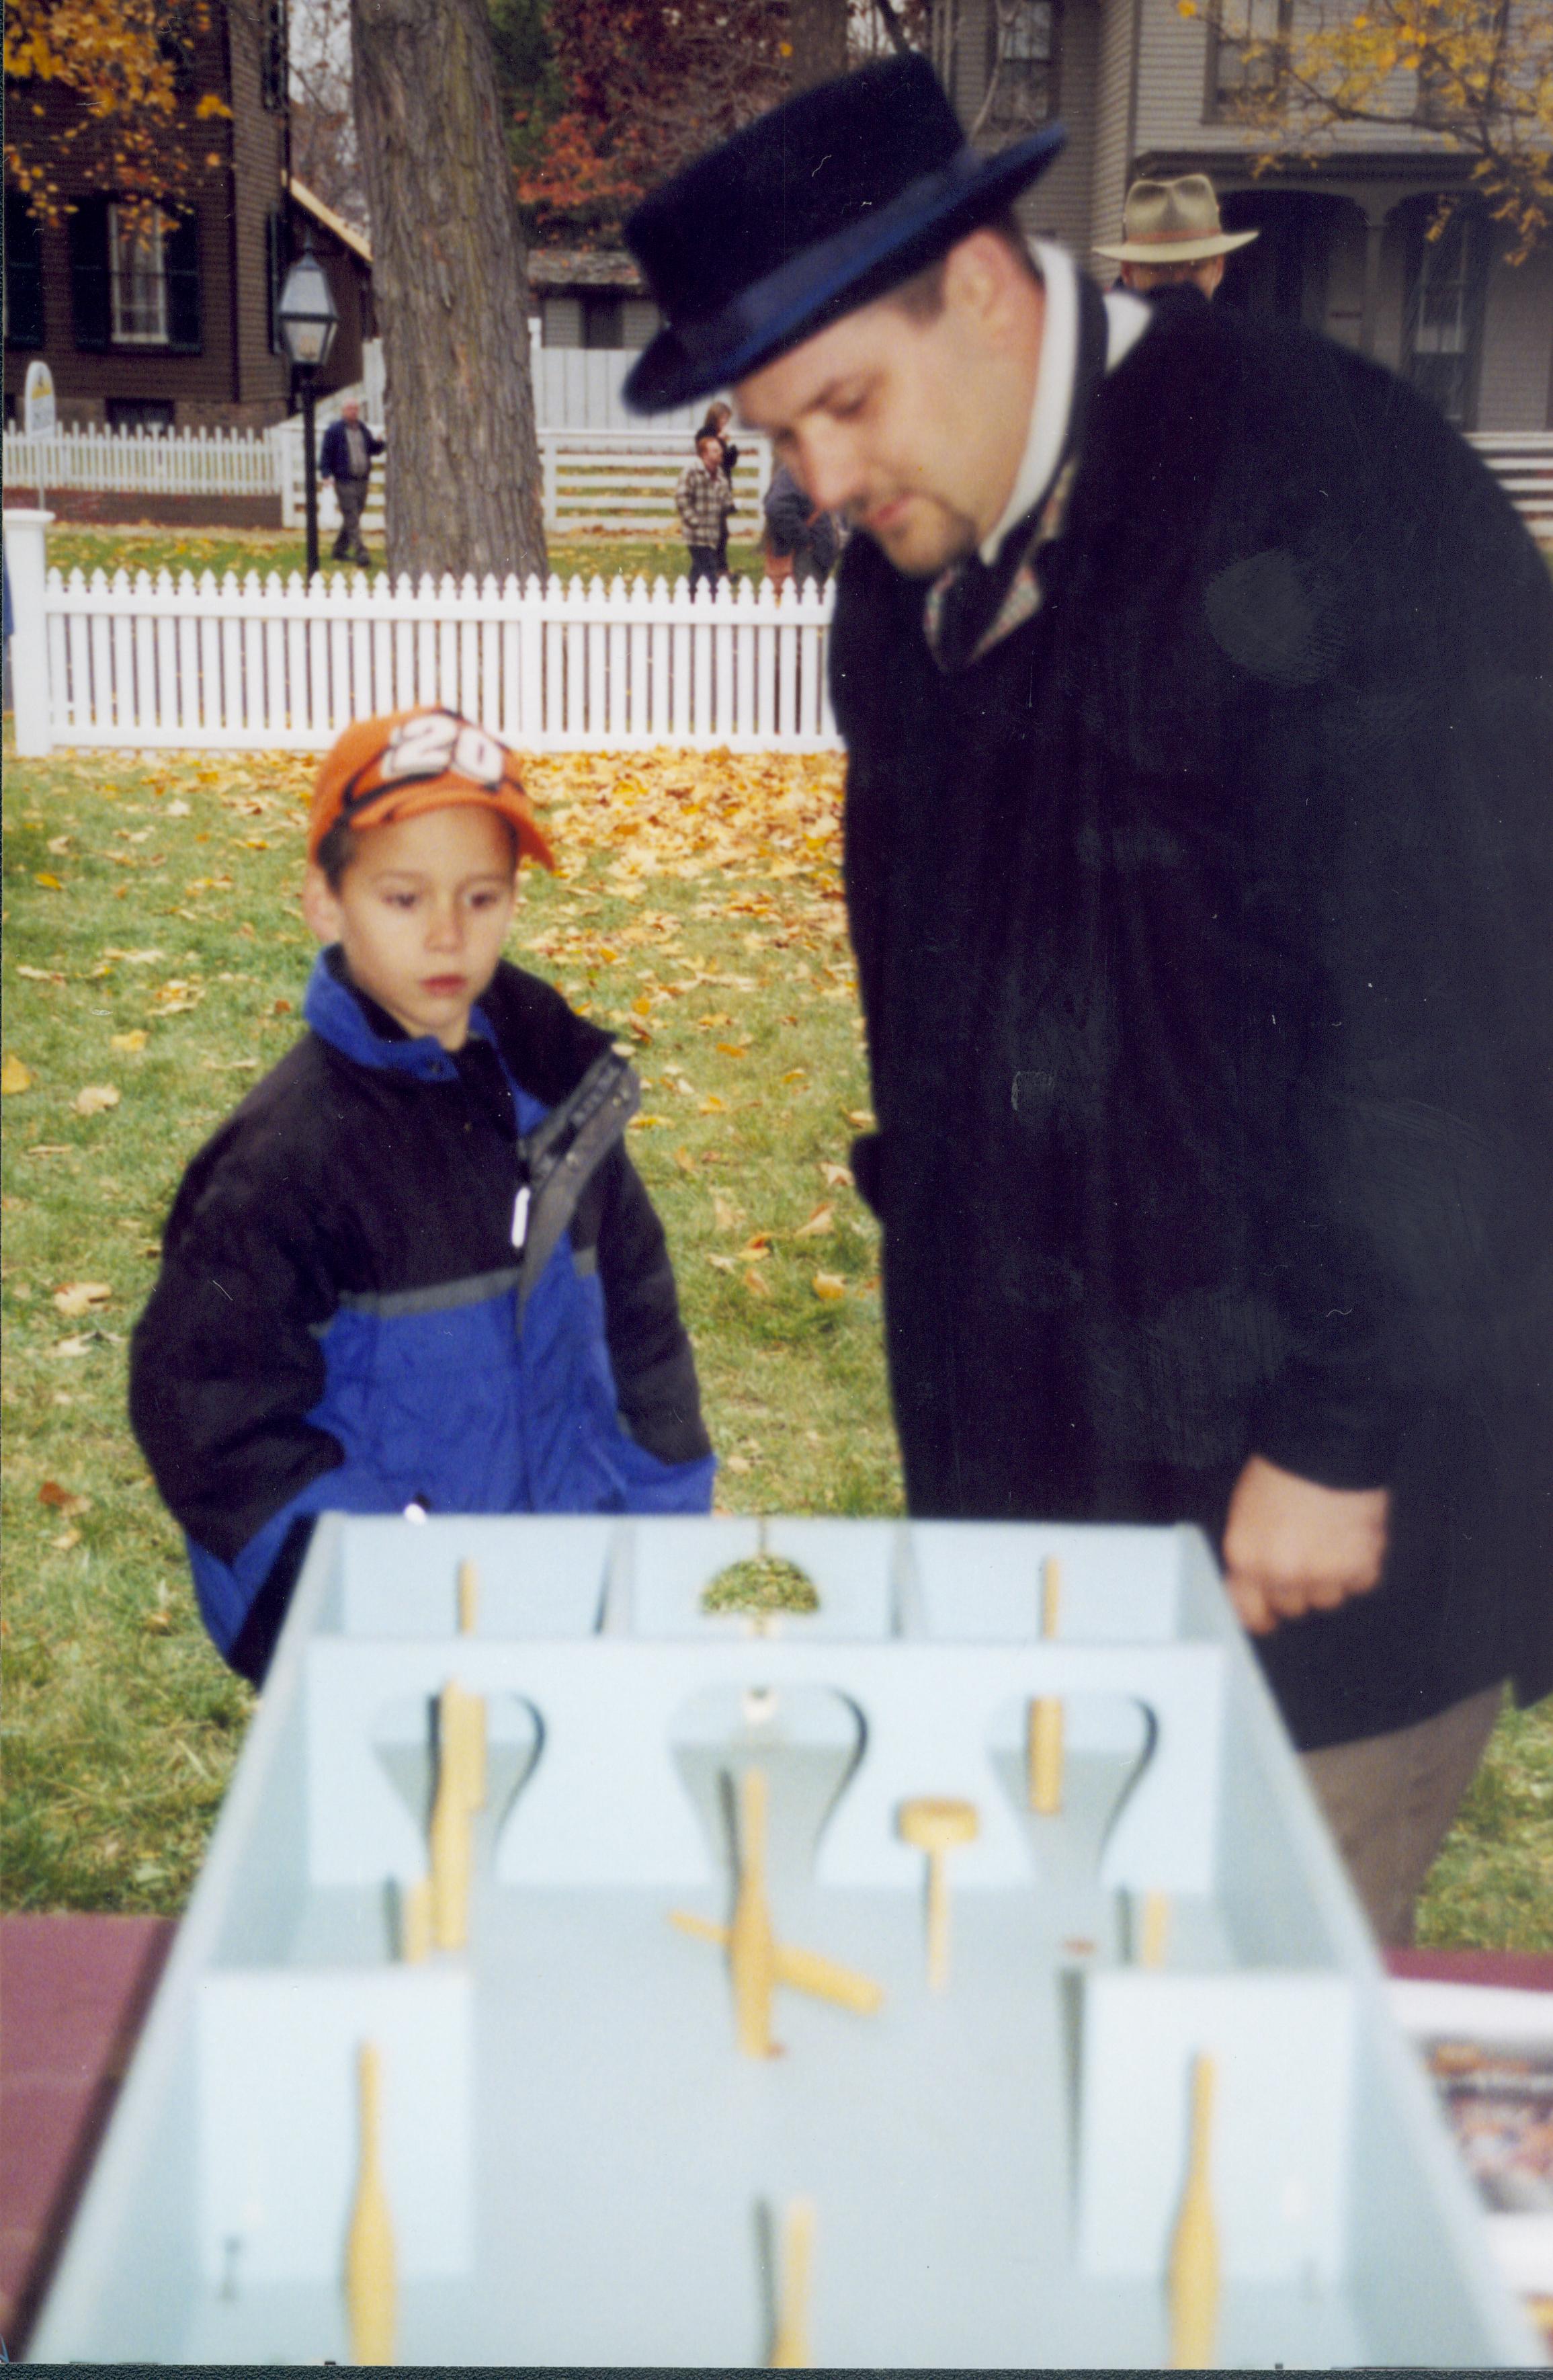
x=817, y=30
x=450, y=286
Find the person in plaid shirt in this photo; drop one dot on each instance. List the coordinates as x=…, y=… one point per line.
x=704, y=500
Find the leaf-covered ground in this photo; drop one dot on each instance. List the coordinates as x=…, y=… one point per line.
x=153, y=966
x=80, y=547
x=154, y=963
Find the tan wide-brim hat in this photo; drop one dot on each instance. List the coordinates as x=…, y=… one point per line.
x=1173, y=222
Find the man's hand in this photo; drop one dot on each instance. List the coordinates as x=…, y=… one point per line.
x=1292, y=1547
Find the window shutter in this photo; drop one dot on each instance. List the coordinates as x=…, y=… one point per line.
x=24, y=274
x=90, y=308
x=180, y=252
x=274, y=276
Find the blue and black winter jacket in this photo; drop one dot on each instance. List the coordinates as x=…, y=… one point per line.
x=345, y=1320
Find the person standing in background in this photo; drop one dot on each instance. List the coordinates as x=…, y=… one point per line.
x=802, y=543
x=704, y=501
x=1171, y=235
x=347, y=458
x=716, y=426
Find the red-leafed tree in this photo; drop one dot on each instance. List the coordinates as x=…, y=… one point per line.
x=634, y=91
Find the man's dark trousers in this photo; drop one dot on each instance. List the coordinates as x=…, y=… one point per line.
x=351, y=497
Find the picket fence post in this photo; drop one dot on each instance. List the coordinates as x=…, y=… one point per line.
x=26, y=565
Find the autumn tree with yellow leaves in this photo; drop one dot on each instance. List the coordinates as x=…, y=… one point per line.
x=1474, y=76
x=131, y=68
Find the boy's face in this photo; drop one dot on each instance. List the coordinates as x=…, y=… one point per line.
x=421, y=915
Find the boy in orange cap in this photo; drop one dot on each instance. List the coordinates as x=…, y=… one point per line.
x=416, y=1267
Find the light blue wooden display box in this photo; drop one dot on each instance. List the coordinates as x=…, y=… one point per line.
x=581, y=2169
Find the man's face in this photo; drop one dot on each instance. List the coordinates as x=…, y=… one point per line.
x=350, y=410
x=913, y=427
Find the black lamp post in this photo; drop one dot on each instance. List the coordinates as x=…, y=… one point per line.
x=307, y=320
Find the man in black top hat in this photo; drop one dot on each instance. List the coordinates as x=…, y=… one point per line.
x=1194, y=677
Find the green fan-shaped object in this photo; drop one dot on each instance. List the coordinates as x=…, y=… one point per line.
x=762, y=1583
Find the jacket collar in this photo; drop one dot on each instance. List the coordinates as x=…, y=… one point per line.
x=358, y=1028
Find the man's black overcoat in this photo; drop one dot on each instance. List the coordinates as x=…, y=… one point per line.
x=1204, y=935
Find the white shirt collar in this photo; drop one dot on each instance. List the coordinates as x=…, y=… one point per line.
x=1126, y=319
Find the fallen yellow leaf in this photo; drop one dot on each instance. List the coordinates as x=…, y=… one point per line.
x=864, y=1118
x=795, y=1075
x=726, y=1216
x=835, y=1177
x=128, y=1042
x=822, y=1220
x=711, y=1105
x=94, y=1099
x=759, y=1245
x=51, y=882
x=723, y=1264
x=14, y=1075
x=684, y=1159
x=67, y=1541
x=756, y=1285
x=734, y=1049
x=69, y=1347
x=829, y=1285
x=79, y=1297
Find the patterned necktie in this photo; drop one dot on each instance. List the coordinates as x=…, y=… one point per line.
x=976, y=604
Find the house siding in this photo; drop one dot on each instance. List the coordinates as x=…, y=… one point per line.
x=232, y=380
x=1111, y=161
x=260, y=378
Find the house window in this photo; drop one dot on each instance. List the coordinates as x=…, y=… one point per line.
x=1245, y=53
x=134, y=277
x=1445, y=313
x=1021, y=64
x=24, y=274
x=138, y=276
x=601, y=323
x=562, y=321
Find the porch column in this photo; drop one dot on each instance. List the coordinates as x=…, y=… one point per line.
x=1369, y=314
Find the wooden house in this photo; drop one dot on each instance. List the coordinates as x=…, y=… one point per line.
x=1145, y=89
x=171, y=323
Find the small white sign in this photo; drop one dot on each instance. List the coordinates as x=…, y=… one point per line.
x=38, y=401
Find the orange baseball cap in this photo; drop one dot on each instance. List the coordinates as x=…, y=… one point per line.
x=413, y=760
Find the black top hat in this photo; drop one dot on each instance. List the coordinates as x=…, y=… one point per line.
x=823, y=204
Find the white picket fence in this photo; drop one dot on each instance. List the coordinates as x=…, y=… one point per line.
x=616, y=480
x=144, y=462
x=269, y=664
x=620, y=481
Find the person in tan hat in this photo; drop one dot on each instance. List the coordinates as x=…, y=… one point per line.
x=416, y=1270
x=1170, y=232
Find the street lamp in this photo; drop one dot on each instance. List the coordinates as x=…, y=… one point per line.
x=308, y=318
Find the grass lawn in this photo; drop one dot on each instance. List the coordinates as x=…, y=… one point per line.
x=79, y=547
x=153, y=966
